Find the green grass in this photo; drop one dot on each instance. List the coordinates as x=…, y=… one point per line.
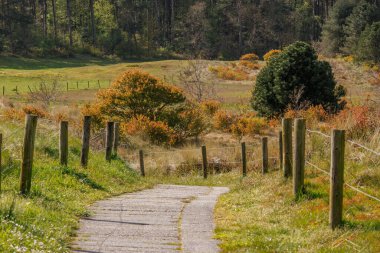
x=46, y=219
x=260, y=215
x=22, y=72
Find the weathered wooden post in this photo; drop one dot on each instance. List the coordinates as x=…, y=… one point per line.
x=337, y=177
x=109, y=140
x=85, y=141
x=204, y=161
x=64, y=142
x=116, y=139
x=244, y=158
x=28, y=153
x=3, y=90
x=142, y=167
x=299, y=156
x=264, y=146
x=287, y=146
x=77, y=85
x=280, y=151
x=67, y=86
x=88, y=85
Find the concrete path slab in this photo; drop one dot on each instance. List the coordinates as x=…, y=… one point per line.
x=167, y=218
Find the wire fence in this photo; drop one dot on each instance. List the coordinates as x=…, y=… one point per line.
x=63, y=86
x=219, y=159
x=360, y=159
x=353, y=167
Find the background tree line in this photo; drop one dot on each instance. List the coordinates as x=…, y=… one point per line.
x=222, y=29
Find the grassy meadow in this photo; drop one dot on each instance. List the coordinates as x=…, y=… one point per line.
x=259, y=214
x=95, y=72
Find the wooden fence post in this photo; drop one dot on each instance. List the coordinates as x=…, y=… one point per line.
x=264, y=145
x=77, y=85
x=204, y=161
x=88, y=85
x=3, y=90
x=1, y=164
x=109, y=140
x=27, y=154
x=287, y=146
x=85, y=140
x=280, y=151
x=67, y=86
x=299, y=156
x=116, y=139
x=64, y=142
x=337, y=177
x=244, y=158
x=142, y=167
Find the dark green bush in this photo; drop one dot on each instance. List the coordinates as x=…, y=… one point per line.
x=294, y=80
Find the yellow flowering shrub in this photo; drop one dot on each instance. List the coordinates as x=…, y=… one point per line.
x=271, y=53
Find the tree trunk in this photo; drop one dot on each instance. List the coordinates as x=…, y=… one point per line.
x=92, y=22
x=54, y=18
x=68, y=9
x=44, y=17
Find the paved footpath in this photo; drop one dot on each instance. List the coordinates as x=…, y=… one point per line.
x=167, y=218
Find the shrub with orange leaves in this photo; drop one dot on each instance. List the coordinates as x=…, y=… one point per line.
x=248, y=125
x=252, y=57
x=229, y=73
x=156, y=132
x=313, y=114
x=136, y=92
x=359, y=121
x=249, y=65
x=98, y=119
x=223, y=120
x=210, y=107
x=148, y=106
x=271, y=53
x=35, y=110
x=12, y=113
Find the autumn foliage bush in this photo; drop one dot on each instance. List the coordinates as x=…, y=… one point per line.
x=271, y=53
x=223, y=120
x=249, y=65
x=239, y=125
x=210, y=107
x=313, y=114
x=12, y=113
x=252, y=57
x=154, y=131
x=359, y=121
x=149, y=107
x=229, y=73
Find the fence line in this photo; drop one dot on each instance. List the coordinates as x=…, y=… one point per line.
x=349, y=141
x=65, y=86
x=348, y=185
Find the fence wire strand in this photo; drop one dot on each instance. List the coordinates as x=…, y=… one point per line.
x=355, y=144
x=348, y=185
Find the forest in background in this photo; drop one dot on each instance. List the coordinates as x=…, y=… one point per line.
x=214, y=29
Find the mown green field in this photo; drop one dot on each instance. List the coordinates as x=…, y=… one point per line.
x=85, y=75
